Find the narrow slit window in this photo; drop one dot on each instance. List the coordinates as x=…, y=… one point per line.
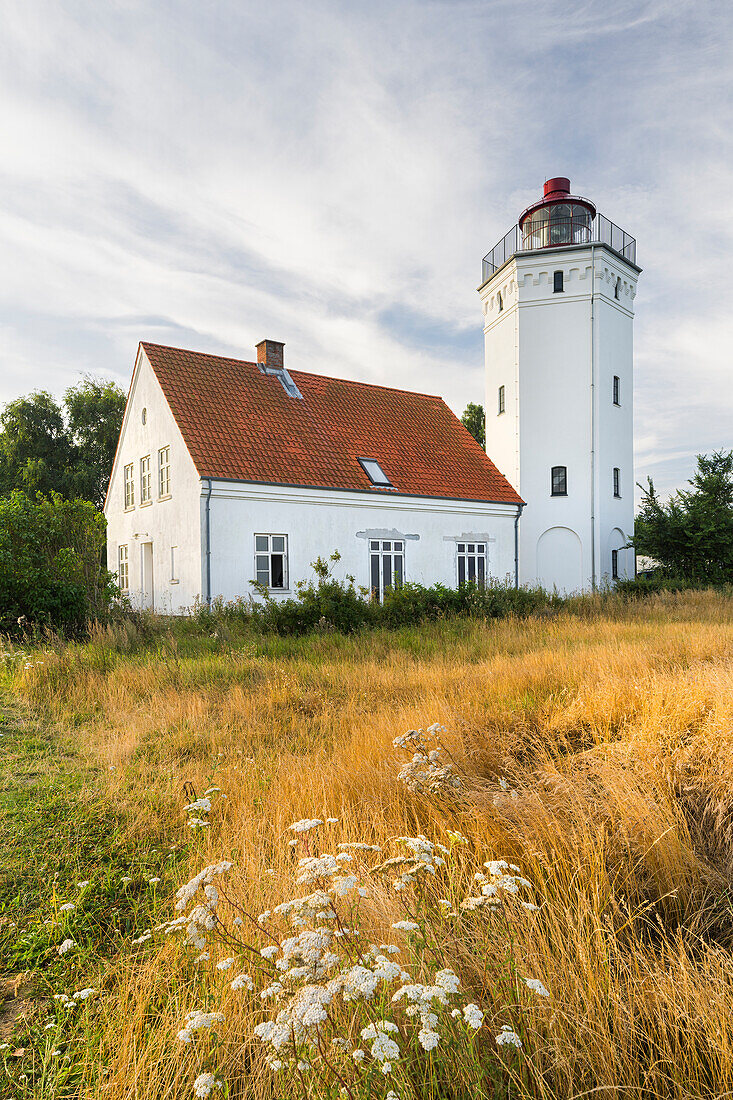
x=271, y=561
x=614, y=565
x=129, y=486
x=146, y=491
x=616, y=481
x=123, y=569
x=472, y=564
x=616, y=390
x=559, y=481
x=502, y=402
x=374, y=471
x=558, y=281
x=164, y=472
x=617, y=289
x=499, y=302
x=386, y=566
x=174, y=555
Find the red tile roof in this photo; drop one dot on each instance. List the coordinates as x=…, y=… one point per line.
x=241, y=424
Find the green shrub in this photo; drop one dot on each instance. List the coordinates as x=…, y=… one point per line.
x=50, y=563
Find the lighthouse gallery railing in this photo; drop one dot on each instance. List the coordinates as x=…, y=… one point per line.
x=556, y=235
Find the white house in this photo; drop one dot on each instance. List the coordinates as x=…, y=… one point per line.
x=230, y=471
x=558, y=303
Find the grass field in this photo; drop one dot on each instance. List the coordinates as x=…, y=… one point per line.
x=594, y=750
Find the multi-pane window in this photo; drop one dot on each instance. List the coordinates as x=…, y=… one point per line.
x=387, y=565
x=616, y=390
x=614, y=565
x=502, y=402
x=129, y=486
x=123, y=569
x=558, y=281
x=616, y=481
x=559, y=481
x=164, y=471
x=271, y=560
x=472, y=563
x=146, y=491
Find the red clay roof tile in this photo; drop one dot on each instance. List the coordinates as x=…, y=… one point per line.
x=241, y=424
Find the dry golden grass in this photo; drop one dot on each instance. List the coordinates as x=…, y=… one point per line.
x=614, y=728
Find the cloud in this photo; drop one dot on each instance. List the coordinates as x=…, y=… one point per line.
x=330, y=175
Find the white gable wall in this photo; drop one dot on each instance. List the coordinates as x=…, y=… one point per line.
x=152, y=531
x=317, y=522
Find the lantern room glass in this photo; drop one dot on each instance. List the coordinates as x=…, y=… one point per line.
x=557, y=224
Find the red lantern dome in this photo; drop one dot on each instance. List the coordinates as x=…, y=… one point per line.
x=558, y=218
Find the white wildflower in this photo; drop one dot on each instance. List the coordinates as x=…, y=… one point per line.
x=204, y=1084
x=197, y=823
x=153, y=881
x=243, y=981
x=203, y=957
x=332, y=821
x=67, y=908
x=81, y=885
x=507, y=1037
x=224, y=964
x=536, y=986
x=83, y=994
x=126, y=880
x=358, y=1055
x=305, y=825
x=269, y=952
x=67, y=945
x=405, y=925
x=473, y=1016
x=202, y=804
x=428, y=1039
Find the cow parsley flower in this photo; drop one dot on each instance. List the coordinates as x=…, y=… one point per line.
x=224, y=964
x=473, y=1016
x=67, y=908
x=83, y=994
x=358, y=1055
x=67, y=945
x=536, y=986
x=204, y=1084
x=428, y=1039
x=153, y=881
x=202, y=804
x=507, y=1037
x=243, y=981
x=269, y=952
x=81, y=885
x=305, y=825
x=405, y=925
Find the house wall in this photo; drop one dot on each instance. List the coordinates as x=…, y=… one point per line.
x=152, y=531
x=317, y=522
x=556, y=353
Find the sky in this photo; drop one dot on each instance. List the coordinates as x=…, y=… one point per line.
x=329, y=174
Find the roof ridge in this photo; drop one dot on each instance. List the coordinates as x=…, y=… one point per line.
x=301, y=373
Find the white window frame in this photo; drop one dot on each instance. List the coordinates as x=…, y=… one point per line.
x=386, y=558
x=273, y=548
x=129, y=484
x=164, y=471
x=123, y=568
x=146, y=488
x=472, y=561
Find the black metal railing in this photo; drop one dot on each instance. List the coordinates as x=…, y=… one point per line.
x=556, y=233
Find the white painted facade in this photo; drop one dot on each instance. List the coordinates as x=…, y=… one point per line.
x=170, y=570
x=556, y=355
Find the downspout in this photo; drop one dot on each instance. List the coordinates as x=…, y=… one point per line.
x=516, y=545
x=208, y=545
x=593, y=421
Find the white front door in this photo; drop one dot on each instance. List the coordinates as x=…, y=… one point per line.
x=148, y=593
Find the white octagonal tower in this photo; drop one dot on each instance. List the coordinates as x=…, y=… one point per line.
x=558, y=302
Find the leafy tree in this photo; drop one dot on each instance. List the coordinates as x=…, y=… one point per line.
x=94, y=411
x=34, y=445
x=691, y=536
x=474, y=419
x=50, y=562
x=69, y=449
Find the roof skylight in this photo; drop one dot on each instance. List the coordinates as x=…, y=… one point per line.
x=374, y=472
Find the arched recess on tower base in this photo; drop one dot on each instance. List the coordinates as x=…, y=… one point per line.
x=560, y=560
x=617, y=541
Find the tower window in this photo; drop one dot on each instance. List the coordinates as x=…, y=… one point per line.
x=616, y=482
x=559, y=481
x=558, y=282
x=499, y=302
x=617, y=289
x=501, y=401
x=616, y=390
x=386, y=566
x=614, y=565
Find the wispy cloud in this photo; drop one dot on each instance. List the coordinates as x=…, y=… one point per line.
x=330, y=174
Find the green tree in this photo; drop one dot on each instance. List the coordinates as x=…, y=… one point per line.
x=51, y=572
x=34, y=445
x=691, y=535
x=474, y=419
x=94, y=411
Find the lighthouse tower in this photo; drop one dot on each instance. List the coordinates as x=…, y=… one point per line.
x=558, y=301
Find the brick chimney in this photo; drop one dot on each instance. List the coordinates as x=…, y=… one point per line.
x=270, y=355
